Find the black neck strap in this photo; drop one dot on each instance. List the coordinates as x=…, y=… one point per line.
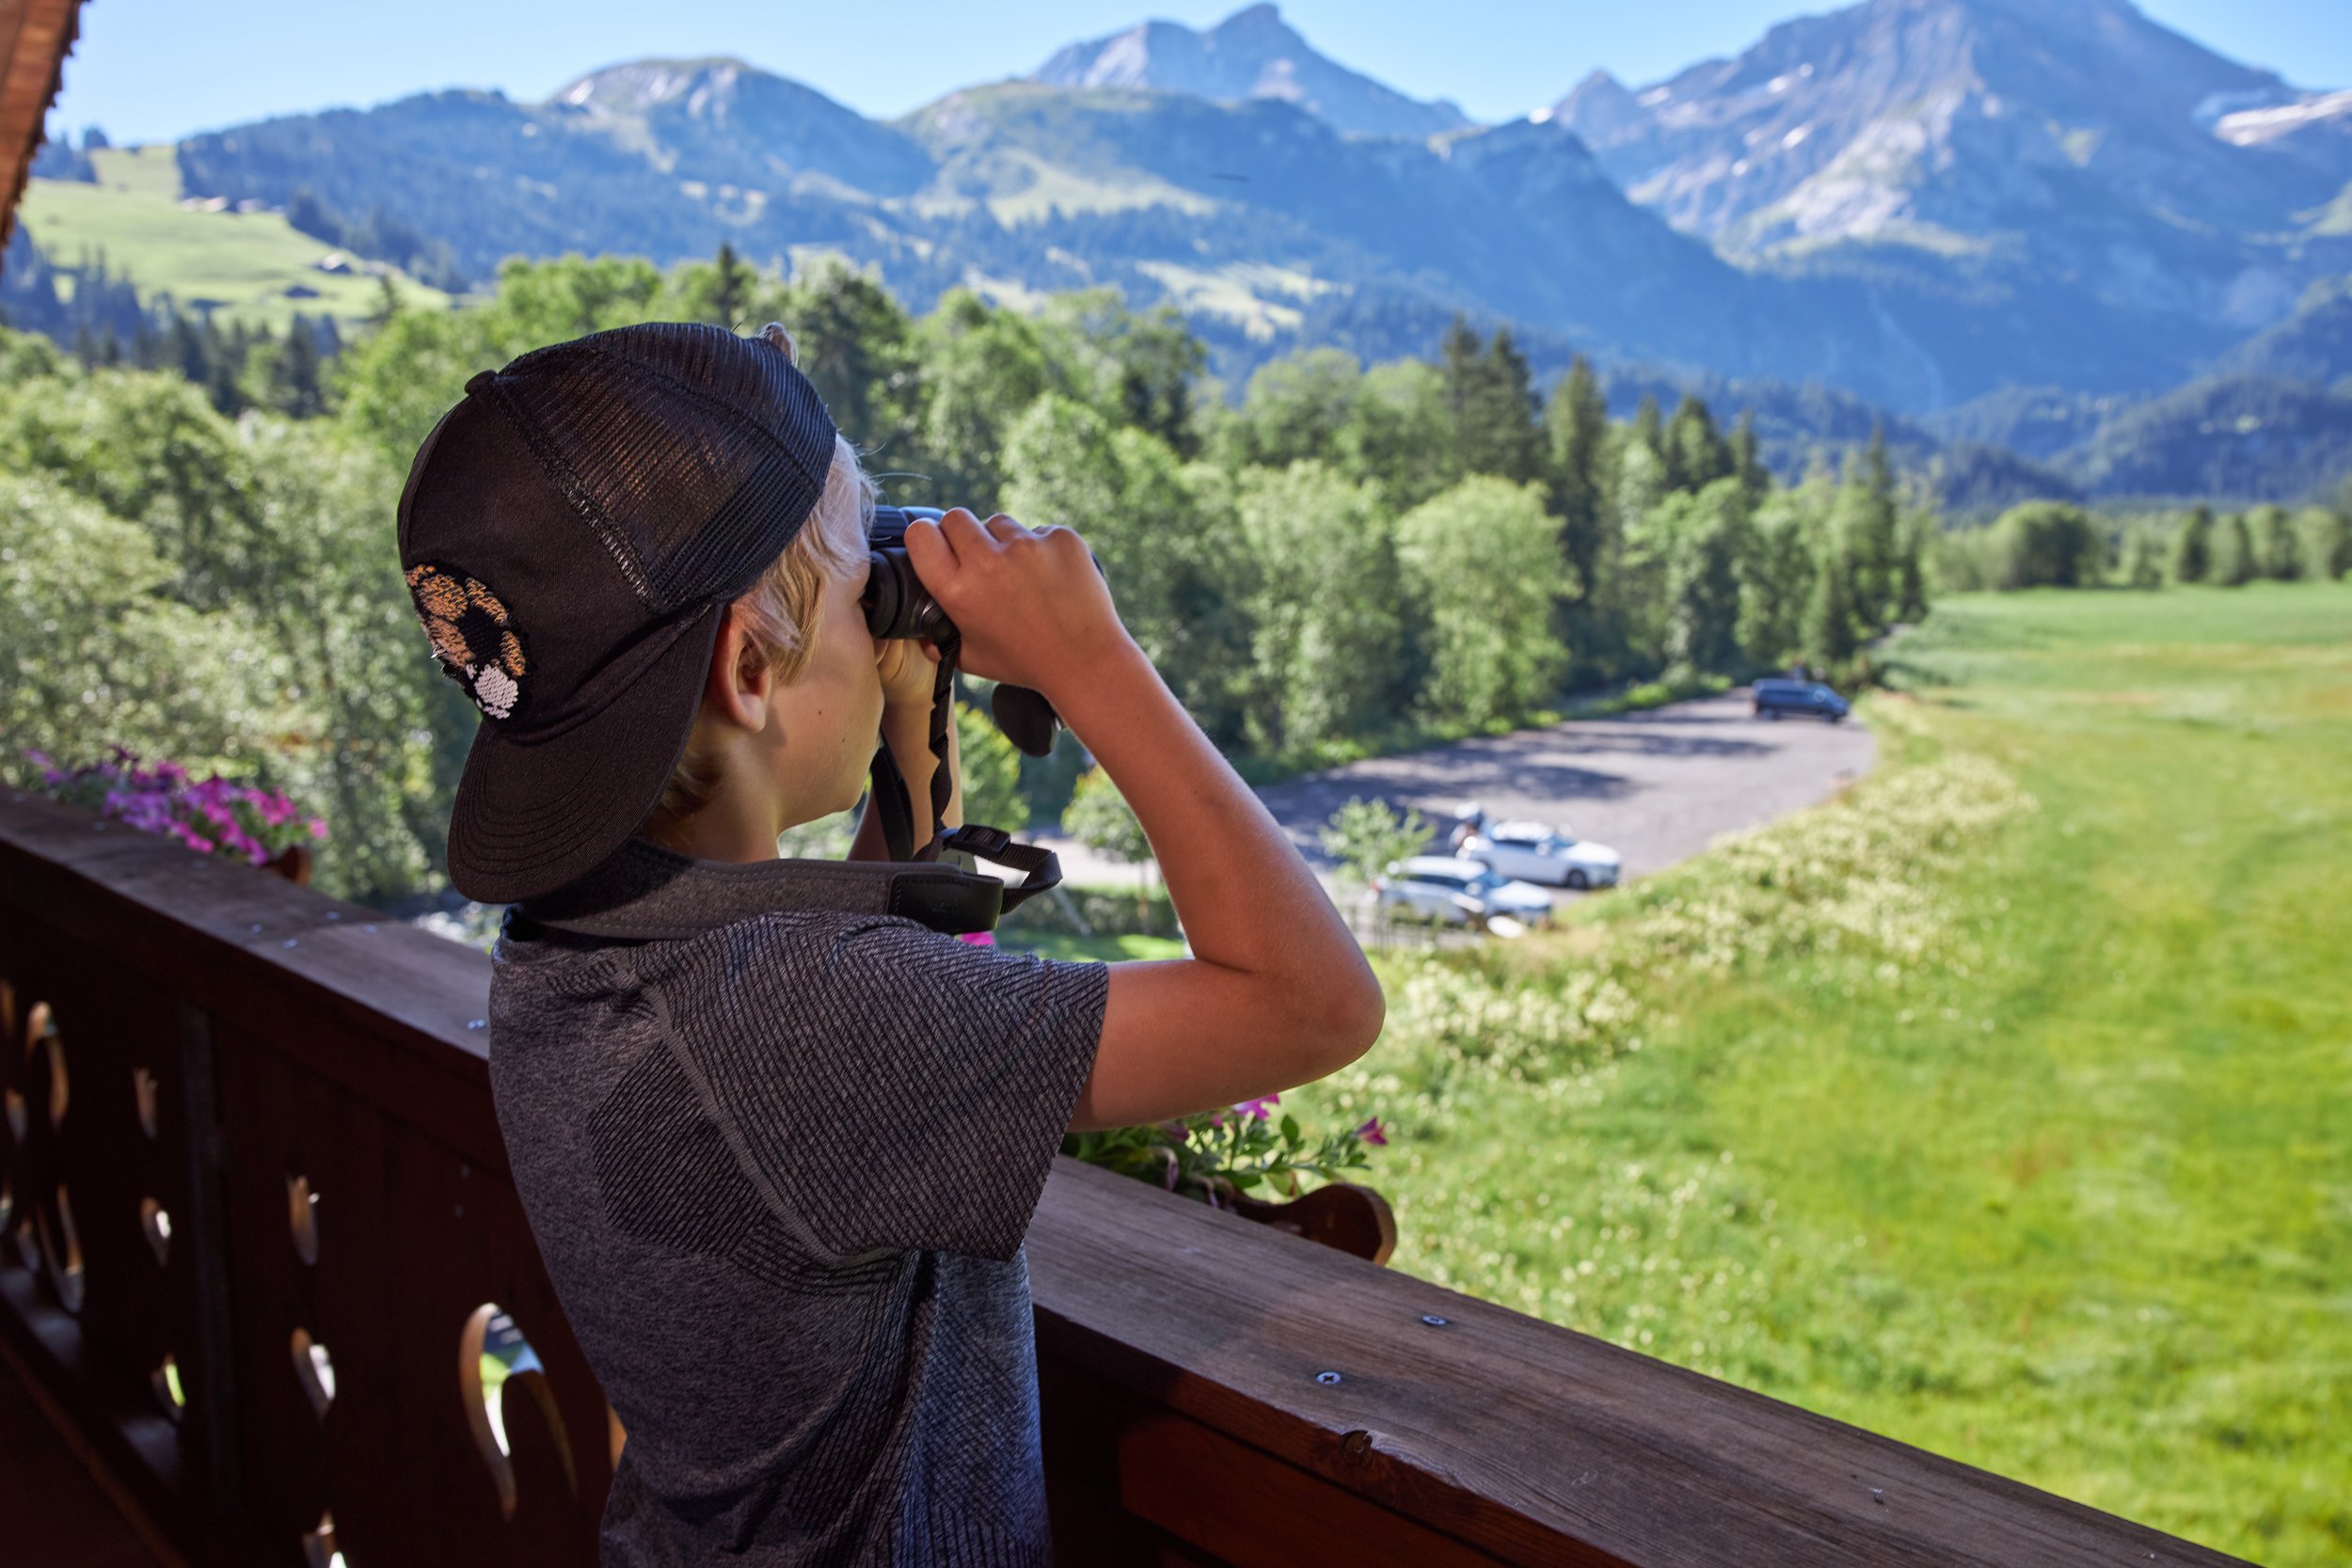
x=645, y=891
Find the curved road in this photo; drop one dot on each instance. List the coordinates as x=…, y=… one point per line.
x=1655, y=786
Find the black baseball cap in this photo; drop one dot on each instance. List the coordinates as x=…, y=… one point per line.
x=571, y=532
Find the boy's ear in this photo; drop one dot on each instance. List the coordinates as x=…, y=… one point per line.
x=740, y=681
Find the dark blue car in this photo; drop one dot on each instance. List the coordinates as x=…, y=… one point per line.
x=1774, y=698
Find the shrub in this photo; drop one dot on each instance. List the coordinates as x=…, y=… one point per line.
x=1366, y=836
x=2047, y=545
x=2327, y=536
x=2235, y=563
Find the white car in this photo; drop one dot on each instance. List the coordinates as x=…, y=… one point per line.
x=1443, y=887
x=1536, y=852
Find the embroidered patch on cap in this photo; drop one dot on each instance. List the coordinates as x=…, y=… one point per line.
x=472, y=634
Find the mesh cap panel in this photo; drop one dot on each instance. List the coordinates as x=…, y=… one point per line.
x=568, y=532
x=694, y=454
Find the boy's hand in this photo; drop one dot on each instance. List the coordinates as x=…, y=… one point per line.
x=1030, y=606
x=909, y=671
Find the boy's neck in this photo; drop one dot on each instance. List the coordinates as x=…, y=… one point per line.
x=723, y=831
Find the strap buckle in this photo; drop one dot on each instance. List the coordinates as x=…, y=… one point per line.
x=974, y=838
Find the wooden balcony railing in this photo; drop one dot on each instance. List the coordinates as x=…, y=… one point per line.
x=257, y=1237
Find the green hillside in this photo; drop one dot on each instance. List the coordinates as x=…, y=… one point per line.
x=2003, y=1106
x=255, y=266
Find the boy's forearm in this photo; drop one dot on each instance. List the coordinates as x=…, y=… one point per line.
x=1246, y=898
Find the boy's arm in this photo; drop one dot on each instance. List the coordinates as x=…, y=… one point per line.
x=1277, y=993
x=907, y=674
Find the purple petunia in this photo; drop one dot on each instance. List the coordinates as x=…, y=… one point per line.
x=1372, y=1132
x=1257, y=1107
x=216, y=812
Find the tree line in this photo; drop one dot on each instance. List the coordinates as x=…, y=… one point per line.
x=1343, y=558
x=2051, y=544
x=100, y=316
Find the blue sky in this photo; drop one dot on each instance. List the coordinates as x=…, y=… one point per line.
x=153, y=70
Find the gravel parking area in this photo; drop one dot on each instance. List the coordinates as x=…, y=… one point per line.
x=1655, y=786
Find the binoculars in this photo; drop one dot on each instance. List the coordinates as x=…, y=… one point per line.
x=897, y=605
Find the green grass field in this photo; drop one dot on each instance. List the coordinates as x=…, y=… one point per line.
x=2003, y=1106
x=245, y=260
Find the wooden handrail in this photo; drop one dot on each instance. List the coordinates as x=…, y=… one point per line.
x=1214, y=1392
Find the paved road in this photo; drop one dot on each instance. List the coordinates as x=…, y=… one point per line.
x=1655, y=786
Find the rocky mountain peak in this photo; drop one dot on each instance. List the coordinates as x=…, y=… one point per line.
x=1943, y=120
x=1600, y=108
x=722, y=121
x=636, y=86
x=1251, y=53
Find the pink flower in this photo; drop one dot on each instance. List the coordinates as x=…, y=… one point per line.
x=1257, y=1107
x=318, y=826
x=1372, y=1132
x=271, y=805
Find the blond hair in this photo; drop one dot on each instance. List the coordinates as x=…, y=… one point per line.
x=779, y=614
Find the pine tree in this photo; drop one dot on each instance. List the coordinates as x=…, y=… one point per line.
x=1517, y=429
x=1867, y=528
x=1747, y=459
x=2328, y=540
x=387, y=303
x=228, y=351
x=1579, y=423
x=730, y=286
x=1458, y=353
x=1491, y=398
x=1830, y=636
x=1911, y=586
x=295, y=389
x=1649, y=429
x=2233, y=561
x=186, y=351
x=2192, y=547
x=856, y=346
x=1696, y=453
x=2277, y=552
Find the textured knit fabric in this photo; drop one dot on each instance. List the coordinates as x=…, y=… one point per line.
x=780, y=1169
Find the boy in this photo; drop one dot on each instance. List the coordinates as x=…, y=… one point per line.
x=780, y=1150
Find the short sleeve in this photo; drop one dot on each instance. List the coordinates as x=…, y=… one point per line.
x=895, y=1088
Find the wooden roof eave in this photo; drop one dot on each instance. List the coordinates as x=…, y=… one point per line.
x=35, y=37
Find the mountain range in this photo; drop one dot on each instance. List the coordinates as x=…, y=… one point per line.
x=1925, y=202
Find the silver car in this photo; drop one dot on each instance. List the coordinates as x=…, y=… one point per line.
x=1460, y=891
x=1536, y=852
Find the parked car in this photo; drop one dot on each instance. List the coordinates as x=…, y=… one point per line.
x=1538, y=852
x=1776, y=697
x=1459, y=892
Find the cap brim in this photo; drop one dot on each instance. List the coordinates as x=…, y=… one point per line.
x=531, y=818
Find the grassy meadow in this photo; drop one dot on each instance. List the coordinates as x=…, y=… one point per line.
x=2002, y=1105
x=245, y=262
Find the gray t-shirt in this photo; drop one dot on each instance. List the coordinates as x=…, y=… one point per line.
x=779, y=1162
